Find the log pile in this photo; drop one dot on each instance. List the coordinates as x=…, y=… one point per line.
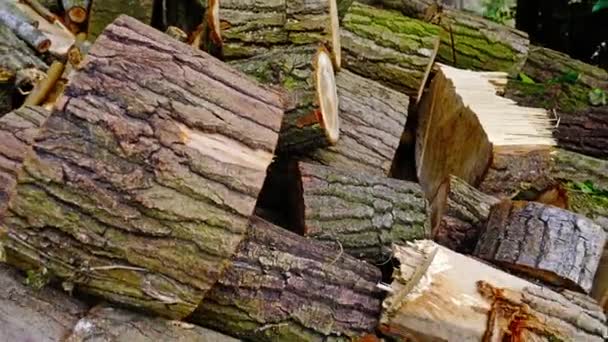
x=240, y=174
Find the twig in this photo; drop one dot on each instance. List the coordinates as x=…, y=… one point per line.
x=113, y=267
x=339, y=254
x=43, y=88
x=269, y=326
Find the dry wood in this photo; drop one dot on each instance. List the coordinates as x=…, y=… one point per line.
x=44, y=87
x=461, y=121
x=306, y=72
x=439, y=294
x=76, y=10
x=27, y=314
x=177, y=33
x=105, y=323
x=21, y=25
x=388, y=47
x=458, y=214
x=362, y=213
x=469, y=41
x=284, y=287
x=143, y=180
x=372, y=118
x=551, y=244
x=42, y=10
x=254, y=28
x=104, y=12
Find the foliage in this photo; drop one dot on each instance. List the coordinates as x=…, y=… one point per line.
x=38, y=279
x=600, y=5
x=498, y=10
x=597, y=97
x=587, y=187
x=525, y=78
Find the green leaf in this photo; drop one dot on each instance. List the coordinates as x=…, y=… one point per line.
x=586, y=187
x=597, y=97
x=525, y=78
x=570, y=77
x=600, y=5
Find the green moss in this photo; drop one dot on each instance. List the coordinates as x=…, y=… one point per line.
x=564, y=97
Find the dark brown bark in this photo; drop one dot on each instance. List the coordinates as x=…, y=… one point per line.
x=551, y=244
x=459, y=212
x=104, y=323
x=363, y=213
x=28, y=314
x=141, y=184
x=283, y=287
x=372, y=118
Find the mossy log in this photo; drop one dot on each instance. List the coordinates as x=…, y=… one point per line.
x=30, y=314
x=254, y=28
x=284, y=287
x=105, y=323
x=458, y=214
x=372, y=118
x=563, y=85
x=26, y=29
x=468, y=40
x=103, y=13
x=440, y=295
x=362, y=213
x=386, y=46
x=306, y=72
x=140, y=186
x=548, y=243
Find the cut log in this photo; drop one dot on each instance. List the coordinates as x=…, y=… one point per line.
x=362, y=213
x=469, y=41
x=372, y=118
x=29, y=314
x=102, y=13
x=19, y=23
x=284, y=287
x=105, y=323
x=254, y=28
x=582, y=128
x=307, y=74
x=388, y=47
x=42, y=10
x=458, y=214
x=551, y=244
x=76, y=10
x=461, y=121
x=141, y=183
x=440, y=295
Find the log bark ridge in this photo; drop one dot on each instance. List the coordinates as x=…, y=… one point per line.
x=15, y=55
x=468, y=40
x=372, y=118
x=27, y=314
x=459, y=213
x=139, y=159
x=363, y=213
x=386, y=46
x=548, y=243
x=103, y=13
x=105, y=323
x=283, y=287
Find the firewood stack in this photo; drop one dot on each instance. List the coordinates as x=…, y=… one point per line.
x=243, y=173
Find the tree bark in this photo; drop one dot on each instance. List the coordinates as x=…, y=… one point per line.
x=386, y=46
x=363, y=213
x=439, y=294
x=461, y=121
x=469, y=41
x=283, y=287
x=23, y=27
x=252, y=29
x=76, y=10
x=103, y=13
x=27, y=314
x=372, y=118
x=15, y=55
x=306, y=72
x=551, y=244
x=458, y=214
x=582, y=128
x=142, y=182
x=104, y=323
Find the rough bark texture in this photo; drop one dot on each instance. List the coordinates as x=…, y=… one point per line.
x=372, y=118
x=295, y=70
x=23, y=26
x=103, y=13
x=283, y=287
x=388, y=47
x=254, y=28
x=582, y=128
x=104, y=323
x=15, y=55
x=440, y=295
x=17, y=132
x=459, y=212
x=548, y=243
x=469, y=41
x=141, y=185
x=364, y=213
x=26, y=314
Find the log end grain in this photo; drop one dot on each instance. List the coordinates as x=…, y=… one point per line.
x=327, y=95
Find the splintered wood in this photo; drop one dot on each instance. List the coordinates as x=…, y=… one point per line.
x=461, y=122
